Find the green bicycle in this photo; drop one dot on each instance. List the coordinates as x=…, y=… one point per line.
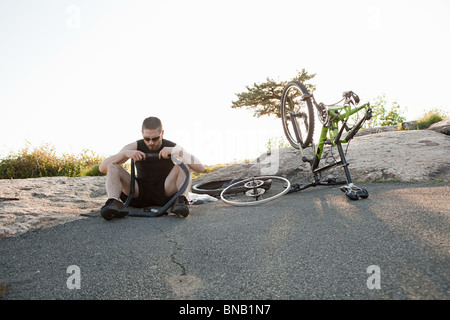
x=298, y=117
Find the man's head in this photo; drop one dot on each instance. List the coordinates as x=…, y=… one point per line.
x=152, y=132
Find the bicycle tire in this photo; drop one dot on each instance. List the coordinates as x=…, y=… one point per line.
x=215, y=188
x=305, y=112
x=212, y=188
x=161, y=211
x=238, y=185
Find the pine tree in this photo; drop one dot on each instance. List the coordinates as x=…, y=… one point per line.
x=264, y=98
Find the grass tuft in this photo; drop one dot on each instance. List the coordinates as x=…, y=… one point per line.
x=430, y=118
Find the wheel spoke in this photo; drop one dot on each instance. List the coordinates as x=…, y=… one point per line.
x=255, y=191
x=292, y=102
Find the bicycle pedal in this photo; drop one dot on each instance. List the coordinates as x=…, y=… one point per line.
x=363, y=193
x=353, y=192
x=352, y=195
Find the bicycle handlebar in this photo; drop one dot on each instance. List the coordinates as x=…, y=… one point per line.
x=155, y=155
x=151, y=155
x=351, y=95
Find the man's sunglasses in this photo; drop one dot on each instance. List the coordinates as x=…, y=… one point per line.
x=154, y=139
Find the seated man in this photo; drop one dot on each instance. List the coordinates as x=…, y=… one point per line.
x=156, y=182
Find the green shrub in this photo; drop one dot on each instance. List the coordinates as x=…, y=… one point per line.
x=383, y=115
x=44, y=162
x=277, y=143
x=92, y=171
x=430, y=117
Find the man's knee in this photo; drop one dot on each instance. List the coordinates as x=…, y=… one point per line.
x=180, y=174
x=114, y=168
x=175, y=179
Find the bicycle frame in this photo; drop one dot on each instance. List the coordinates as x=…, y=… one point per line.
x=331, y=134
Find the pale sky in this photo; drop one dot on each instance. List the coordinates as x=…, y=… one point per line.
x=84, y=74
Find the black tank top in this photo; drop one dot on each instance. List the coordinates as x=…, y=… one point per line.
x=154, y=169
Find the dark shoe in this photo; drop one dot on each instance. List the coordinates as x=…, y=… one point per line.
x=113, y=209
x=181, y=206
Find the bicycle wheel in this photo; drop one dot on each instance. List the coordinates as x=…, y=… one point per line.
x=254, y=191
x=215, y=188
x=302, y=111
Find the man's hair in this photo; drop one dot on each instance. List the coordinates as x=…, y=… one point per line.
x=152, y=123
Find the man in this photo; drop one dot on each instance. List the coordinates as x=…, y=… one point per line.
x=157, y=179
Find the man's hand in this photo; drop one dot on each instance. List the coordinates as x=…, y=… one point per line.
x=136, y=155
x=165, y=153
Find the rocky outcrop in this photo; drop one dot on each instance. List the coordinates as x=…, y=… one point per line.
x=441, y=127
x=419, y=155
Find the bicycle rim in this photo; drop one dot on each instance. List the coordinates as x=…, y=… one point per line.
x=291, y=103
x=255, y=191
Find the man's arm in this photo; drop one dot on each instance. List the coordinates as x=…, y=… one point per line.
x=178, y=152
x=127, y=152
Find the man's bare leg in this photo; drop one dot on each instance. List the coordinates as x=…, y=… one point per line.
x=117, y=180
x=173, y=183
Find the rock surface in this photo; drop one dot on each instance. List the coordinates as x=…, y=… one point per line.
x=32, y=204
x=441, y=127
x=411, y=156
x=422, y=155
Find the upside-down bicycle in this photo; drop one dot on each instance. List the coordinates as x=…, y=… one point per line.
x=297, y=116
x=298, y=119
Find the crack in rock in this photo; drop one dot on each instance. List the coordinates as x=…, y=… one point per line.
x=183, y=285
x=174, y=251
